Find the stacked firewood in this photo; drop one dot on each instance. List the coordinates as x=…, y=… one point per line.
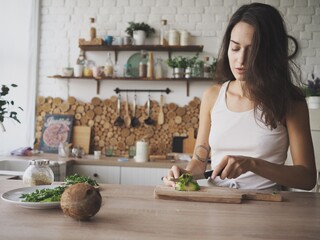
x=100, y=115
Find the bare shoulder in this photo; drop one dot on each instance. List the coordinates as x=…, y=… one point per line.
x=299, y=112
x=210, y=95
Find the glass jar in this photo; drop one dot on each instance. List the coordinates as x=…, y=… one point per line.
x=127, y=70
x=174, y=38
x=108, y=67
x=38, y=173
x=158, y=69
x=184, y=38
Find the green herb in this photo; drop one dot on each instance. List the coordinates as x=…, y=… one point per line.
x=44, y=195
x=54, y=194
x=76, y=178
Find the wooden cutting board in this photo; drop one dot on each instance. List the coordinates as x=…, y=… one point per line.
x=189, y=142
x=81, y=137
x=214, y=194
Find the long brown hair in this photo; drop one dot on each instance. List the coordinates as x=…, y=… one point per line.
x=269, y=72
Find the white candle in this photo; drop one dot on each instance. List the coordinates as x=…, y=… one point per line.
x=142, y=153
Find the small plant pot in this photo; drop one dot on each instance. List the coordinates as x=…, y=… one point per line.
x=188, y=72
x=178, y=72
x=313, y=102
x=139, y=37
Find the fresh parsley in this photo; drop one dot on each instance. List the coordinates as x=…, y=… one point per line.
x=54, y=194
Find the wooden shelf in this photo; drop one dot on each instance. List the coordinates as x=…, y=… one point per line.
x=158, y=48
x=98, y=80
x=190, y=48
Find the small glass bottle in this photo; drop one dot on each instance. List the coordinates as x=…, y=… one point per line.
x=158, y=69
x=206, y=68
x=163, y=33
x=143, y=65
x=108, y=67
x=38, y=173
x=117, y=70
x=93, y=31
x=127, y=70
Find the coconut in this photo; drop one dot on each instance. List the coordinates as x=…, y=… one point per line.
x=81, y=201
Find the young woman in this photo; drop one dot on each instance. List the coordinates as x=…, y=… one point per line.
x=255, y=112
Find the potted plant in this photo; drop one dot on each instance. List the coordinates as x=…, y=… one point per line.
x=7, y=107
x=190, y=63
x=178, y=64
x=197, y=69
x=312, y=91
x=139, y=32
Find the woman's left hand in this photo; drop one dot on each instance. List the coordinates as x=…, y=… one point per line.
x=233, y=166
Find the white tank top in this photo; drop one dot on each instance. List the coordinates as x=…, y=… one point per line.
x=241, y=133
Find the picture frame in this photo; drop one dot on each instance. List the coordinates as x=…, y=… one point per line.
x=57, y=128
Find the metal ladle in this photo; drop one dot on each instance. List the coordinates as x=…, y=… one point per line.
x=134, y=121
x=119, y=121
x=149, y=120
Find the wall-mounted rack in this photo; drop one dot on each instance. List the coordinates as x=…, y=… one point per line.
x=167, y=90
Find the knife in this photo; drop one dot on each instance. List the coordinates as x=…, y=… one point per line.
x=204, y=175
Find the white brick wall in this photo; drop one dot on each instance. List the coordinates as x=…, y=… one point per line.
x=63, y=22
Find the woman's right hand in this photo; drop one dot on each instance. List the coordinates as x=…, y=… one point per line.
x=173, y=172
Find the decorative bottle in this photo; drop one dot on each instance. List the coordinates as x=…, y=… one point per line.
x=93, y=31
x=143, y=65
x=150, y=72
x=206, y=68
x=163, y=33
x=108, y=67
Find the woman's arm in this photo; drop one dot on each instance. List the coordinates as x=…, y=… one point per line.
x=201, y=152
x=301, y=175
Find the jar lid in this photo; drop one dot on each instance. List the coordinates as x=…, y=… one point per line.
x=39, y=162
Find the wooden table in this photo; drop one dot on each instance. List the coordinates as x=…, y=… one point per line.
x=131, y=212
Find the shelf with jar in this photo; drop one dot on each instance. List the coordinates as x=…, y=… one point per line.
x=157, y=48
x=164, y=79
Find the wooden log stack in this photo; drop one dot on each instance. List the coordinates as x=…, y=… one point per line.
x=100, y=115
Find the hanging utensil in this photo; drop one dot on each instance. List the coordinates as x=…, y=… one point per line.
x=149, y=120
x=161, y=115
x=134, y=121
x=127, y=118
x=119, y=121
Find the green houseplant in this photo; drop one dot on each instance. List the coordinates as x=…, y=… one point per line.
x=139, y=32
x=178, y=64
x=7, y=107
x=133, y=26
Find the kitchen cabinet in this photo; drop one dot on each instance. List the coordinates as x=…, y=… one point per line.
x=102, y=174
x=142, y=176
x=121, y=175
